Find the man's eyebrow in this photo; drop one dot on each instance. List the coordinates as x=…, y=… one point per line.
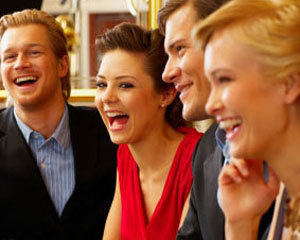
x=27, y=45
x=174, y=43
x=35, y=44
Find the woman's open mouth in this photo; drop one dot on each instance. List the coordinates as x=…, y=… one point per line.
x=117, y=120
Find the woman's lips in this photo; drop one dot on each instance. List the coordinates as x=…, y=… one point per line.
x=117, y=120
x=231, y=126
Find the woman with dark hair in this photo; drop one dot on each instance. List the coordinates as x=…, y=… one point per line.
x=143, y=115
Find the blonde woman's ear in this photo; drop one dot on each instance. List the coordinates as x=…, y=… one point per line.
x=292, y=88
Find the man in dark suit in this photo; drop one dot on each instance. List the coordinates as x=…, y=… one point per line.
x=57, y=164
x=184, y=68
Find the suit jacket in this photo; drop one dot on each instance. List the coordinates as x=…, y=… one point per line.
x=26, y=209
x=205, y=219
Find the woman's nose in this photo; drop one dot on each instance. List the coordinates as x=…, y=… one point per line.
x=109, y=95
x=214, y=103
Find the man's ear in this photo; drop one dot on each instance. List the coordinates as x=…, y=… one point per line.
x=167, y=97
x=292, y=88
x=63, y=66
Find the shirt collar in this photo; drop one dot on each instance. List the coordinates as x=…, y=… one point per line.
x=26, y=131
x=61, y=133
x=222, y=142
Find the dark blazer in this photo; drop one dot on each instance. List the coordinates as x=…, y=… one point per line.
x=26, y=209
x=205, y=219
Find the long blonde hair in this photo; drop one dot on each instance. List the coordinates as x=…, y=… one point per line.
x=270, y=27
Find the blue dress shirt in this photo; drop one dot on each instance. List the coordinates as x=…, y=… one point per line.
x=54, y=157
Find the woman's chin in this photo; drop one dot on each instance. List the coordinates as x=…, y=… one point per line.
x=117, y=140
x=238, y=152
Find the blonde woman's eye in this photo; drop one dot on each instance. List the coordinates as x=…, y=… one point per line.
x=224, y=79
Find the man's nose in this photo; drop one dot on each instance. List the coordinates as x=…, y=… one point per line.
x=171, y=72
x=21, y=62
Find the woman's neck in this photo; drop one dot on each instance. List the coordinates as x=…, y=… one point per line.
x=286, y=161
x=157, y=150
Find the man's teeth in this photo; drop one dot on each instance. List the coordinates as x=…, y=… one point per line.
x=24, y=79
x=115, y=114
x=228, y=124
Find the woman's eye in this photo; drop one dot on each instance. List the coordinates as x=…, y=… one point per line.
x=224, y=79
x=126, y=85
x=101, y=84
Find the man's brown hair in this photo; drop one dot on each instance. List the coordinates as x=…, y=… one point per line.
x=203, y=9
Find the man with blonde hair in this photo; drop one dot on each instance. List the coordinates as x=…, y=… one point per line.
x=57, y=167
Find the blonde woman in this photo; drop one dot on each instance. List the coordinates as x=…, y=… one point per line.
x=252, y=61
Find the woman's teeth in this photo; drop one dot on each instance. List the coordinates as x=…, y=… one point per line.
x=115, y=114
x=229, y=124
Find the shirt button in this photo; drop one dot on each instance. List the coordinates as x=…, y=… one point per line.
x=43, y=165
x=35, y=136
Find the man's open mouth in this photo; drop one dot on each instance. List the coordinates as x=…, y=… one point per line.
x=24, y=81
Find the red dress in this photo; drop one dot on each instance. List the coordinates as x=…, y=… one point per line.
x=165, y=220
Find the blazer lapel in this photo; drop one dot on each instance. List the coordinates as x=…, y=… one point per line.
x=84, y=147
x=85, y=154
x=17, y=158
x=212, y=168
